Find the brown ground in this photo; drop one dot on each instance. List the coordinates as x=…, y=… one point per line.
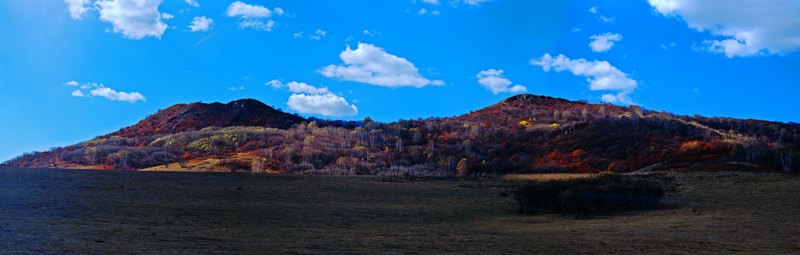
x=92, y=211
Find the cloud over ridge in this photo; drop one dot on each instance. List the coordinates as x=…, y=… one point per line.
x=494, y=81
x=328, y=104
x=312, y=100
x=601, y=75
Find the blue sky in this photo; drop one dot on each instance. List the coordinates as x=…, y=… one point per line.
x=72, y=70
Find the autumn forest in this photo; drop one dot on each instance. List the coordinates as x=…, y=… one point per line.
x=521, y=134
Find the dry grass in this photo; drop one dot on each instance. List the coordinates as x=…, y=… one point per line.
x=202, y=165
x=83, y=211
x=543, y=177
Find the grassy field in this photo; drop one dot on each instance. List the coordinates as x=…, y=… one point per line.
x=92, y=211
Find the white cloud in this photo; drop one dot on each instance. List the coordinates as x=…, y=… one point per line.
x=327, y=104
x=165, y=15
x=593, y=9
x=433, y=2
x=301, y=87
x=248, y=11
x=740, y=28
x=77, y=8
x=235, y=88
x=135, y=19
x=494, y=81
x=575, y=29
x=604, y=42
x=253, y=16
x=117, y=96
x=435, y=12
x=298, y=34
x=730, y=47
x=619, y=98
x=372, y=65
x=665, y=47
x=103, y=91
x=422, y=11
x=193, y=3
x=201, y=24
x=366, y=32
x=600, y=74
x=298, y=87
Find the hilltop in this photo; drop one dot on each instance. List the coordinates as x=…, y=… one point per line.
x=187, y=117
x=521, y=134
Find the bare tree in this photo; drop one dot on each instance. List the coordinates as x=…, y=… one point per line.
x=259, y=165
x=787, y=159
x=399, y=145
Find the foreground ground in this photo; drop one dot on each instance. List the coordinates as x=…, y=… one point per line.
x=91, y=211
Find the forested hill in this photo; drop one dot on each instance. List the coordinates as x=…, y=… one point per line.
x=521, y=134
x=186, y=117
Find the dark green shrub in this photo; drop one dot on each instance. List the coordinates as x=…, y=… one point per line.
x=605, y=192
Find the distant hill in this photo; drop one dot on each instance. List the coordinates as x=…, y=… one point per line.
x=521, y=134
x=186, y=117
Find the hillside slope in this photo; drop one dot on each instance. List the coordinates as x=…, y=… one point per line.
x=521, y=134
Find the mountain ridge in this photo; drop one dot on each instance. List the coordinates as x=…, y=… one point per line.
x=521, y=134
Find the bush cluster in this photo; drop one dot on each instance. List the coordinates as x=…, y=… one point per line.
x=605, y=192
